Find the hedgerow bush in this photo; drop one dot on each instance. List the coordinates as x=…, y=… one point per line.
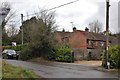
x=35, y=50
x=26, y=53
x=62, y=54
x=114, y=57
x=16, y=48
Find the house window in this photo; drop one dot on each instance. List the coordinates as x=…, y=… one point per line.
x=96, y=43
x=67, y=39
x=62, y=39
x=101, y=43
x=110, y=42
x=87, y=41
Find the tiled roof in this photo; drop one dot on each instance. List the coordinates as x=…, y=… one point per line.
x=95, y=36
x=65, y=34
x=89, y=35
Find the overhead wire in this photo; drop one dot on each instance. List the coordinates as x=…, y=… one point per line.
x=53, y=8
x=48, y=10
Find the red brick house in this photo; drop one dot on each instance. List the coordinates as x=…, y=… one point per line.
x=81, y=39
x=83, y=42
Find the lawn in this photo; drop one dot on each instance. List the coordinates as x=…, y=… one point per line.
x=9, y=71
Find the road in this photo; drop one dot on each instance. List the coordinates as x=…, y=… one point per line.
x=63, y=70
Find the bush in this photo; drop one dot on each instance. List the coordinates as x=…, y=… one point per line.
x=16, y=48
x=114, y=57
x=35, y=50
x=63, y=54
x=26, y=54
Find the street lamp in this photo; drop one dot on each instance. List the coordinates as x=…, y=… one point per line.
x=107, y=32
x=107, y=0
x=3, y=13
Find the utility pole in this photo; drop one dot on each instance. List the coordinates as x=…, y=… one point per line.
x=22, y=29
x=107, y=32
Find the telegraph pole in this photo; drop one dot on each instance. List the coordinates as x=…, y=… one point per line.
x=107, y=32
x=22, y=29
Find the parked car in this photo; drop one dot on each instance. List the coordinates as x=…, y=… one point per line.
x=10, y=54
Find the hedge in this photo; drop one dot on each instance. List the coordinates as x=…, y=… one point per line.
x=62, y=54
x=26, y=54
x=16, y=48
x=114, y=57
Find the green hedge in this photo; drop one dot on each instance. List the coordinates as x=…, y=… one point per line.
x=62, y=54
x=114, y=57
x=26, y=54
x=16, y=48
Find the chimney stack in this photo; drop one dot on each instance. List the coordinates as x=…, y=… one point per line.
x=86, y=29
x=74, y=29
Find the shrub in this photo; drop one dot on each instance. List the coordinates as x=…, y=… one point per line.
x=52, y=56
x=16, y=48
x=26, y=53
x=62, y=53
x=114, y=57
x=35, y=50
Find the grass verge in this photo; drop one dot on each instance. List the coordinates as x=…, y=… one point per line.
x=9, y=71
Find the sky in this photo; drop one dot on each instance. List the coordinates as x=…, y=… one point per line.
x=119, y=17
x=81, y=12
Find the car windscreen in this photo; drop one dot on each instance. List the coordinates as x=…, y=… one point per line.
x=11, y=51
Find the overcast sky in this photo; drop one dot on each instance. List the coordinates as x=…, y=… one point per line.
x=81, y=13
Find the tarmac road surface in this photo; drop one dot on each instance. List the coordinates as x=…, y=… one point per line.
x=63, y=70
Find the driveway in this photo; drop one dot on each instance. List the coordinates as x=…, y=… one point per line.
x=63, y=70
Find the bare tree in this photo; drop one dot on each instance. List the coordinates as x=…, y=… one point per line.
x=12, y=31
x=4, y=7
x=95, y=26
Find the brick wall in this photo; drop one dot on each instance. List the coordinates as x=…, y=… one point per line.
x=75, y=39
x=78, y=40
x=83, y=54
